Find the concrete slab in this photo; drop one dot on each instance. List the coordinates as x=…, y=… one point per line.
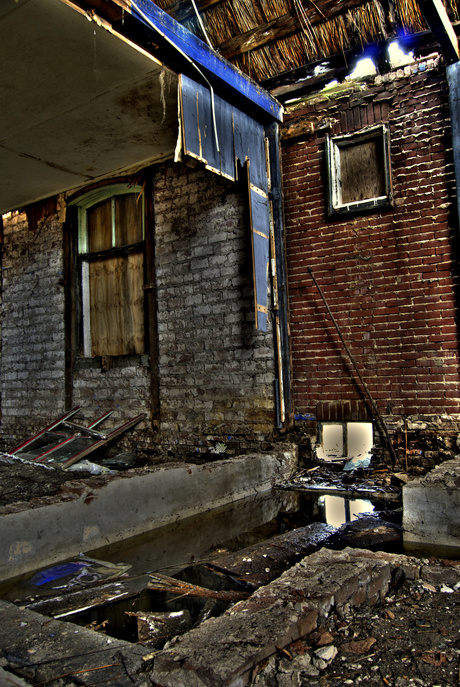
x=431, y=507
x=92, y=513
x=39, y=650
x=224, y=651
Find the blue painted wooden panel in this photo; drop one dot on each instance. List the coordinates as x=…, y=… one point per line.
x=190, y=117
x=224, y=116
x=198, y=51
x=241, y=138
x=260, y=224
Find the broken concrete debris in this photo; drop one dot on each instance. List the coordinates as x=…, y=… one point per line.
x=332, y=478
x=302, y=626
x=157, y=627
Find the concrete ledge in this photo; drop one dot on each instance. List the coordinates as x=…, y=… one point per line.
x=432, y=507
x=92, y=513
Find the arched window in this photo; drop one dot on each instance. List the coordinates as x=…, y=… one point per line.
x=111, y=248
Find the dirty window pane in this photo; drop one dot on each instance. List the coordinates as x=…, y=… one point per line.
x=128, y=219
x=113, y=278
x=362, y=171
x=359, y=172
x=99, y=222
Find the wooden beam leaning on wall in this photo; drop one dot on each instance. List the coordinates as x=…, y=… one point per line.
x=436, y=17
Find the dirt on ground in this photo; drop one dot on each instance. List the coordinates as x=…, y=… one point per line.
x=413, y=638
x=21, y=481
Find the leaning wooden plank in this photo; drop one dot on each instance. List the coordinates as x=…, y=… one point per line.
x=97, y=444
x=50, y=427
x=70, y=601
x=260, y=563
x=163, y=583
x=260, y=230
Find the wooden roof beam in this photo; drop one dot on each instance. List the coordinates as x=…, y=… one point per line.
x=436, y=17
x=181, y=10
x=281, y=27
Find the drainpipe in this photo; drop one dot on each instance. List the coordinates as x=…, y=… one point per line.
x=453, y=80
x=283, y=391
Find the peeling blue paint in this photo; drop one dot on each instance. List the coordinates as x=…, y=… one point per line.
x=205, y=58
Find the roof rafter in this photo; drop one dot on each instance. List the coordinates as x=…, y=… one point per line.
x=181, y=10
x=281, y=27
x=436, y=17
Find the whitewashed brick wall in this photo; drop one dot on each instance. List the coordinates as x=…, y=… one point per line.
x=32, y=366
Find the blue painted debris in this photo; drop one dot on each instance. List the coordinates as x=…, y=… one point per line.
x=362, y=461
x=306, y=416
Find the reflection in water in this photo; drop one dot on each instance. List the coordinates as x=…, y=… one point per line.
x=229, y=528
x=336, y=510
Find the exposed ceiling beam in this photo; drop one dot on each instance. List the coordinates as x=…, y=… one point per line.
x=436, y=17
x=281, y=27
x=181, y=10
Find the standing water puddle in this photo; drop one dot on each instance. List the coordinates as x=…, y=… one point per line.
x=177, y=550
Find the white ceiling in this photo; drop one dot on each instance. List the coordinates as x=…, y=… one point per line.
x=77, y=102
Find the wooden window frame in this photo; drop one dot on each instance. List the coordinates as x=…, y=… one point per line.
x=85, y=257
x=334, y=146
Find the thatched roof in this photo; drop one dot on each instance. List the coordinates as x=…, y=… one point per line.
x=266, y=38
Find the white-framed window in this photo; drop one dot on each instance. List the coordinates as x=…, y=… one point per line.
x=359, y=171
x=338, y=440
x=111, y=256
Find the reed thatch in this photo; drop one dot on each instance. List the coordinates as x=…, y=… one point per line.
x=265, y=38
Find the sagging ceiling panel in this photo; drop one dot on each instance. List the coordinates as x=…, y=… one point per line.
x=78, y=102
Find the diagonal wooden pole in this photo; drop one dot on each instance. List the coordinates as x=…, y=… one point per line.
x=376, y=413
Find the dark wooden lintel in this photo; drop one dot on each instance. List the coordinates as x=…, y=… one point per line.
x=181, y=10
x=304, y=127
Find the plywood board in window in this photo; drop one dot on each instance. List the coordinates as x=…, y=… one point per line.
x=99, y=219
x=362, y=171
x=117, y=305
x=128, y=219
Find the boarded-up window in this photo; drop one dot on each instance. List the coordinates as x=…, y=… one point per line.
x=112, y=268
x=359, y=171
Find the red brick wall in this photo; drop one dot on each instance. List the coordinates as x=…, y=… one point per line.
x=390, y=276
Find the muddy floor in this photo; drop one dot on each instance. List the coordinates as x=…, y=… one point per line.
x=22, y=482
x=413, y=638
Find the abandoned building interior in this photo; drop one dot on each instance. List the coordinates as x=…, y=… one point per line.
x=229, y=228
x=169, y=236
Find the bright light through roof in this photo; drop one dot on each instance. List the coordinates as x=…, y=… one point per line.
x=398, y=58
x=364, y=67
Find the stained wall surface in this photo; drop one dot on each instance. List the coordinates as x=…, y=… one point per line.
x=390, y=276
x=214, y=371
